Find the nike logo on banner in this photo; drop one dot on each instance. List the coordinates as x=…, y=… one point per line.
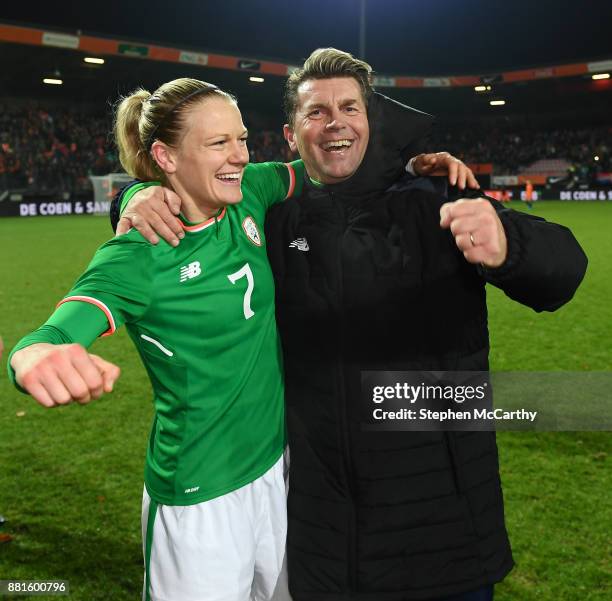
x=300, y=244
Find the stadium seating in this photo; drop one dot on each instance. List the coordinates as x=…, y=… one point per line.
x=52, y=149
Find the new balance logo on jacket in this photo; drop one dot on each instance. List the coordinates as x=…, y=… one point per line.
x=300, y=244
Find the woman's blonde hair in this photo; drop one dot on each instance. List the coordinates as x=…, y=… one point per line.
x=142, y=117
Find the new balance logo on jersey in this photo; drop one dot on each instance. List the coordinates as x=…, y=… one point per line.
x=190, y=271
x=300, y=244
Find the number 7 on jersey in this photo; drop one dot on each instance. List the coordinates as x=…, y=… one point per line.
x=245, y=271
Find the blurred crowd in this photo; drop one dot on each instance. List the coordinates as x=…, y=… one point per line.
x=269, y=146
x=50, y=150
x=512, y=151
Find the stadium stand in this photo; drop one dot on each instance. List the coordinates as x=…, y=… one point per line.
x=51, y=149
x=550, y=167
x=515, y=150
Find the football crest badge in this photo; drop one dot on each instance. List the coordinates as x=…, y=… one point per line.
x=250, y=229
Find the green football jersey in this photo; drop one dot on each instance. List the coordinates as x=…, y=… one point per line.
x=202, y=318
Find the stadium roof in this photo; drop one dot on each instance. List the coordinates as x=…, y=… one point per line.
x=449, y=40
x=429, y=38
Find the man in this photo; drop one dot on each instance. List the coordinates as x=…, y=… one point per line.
x=375, y=272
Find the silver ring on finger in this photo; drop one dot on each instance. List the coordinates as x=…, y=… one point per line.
x=472, y=239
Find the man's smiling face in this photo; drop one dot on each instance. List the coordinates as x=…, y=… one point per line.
x=330, y=128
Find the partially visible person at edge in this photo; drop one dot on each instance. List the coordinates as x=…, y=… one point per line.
x=529, y=194
x=374, y=270
x=202, y=319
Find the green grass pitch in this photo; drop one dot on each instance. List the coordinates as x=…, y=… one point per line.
x=71, y=478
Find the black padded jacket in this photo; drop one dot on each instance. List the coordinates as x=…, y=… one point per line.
x=367, y=280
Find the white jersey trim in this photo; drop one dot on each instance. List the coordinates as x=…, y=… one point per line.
x=159, y=345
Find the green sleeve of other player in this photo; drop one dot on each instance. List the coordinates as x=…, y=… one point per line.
x=131, y=190
x=273, y=182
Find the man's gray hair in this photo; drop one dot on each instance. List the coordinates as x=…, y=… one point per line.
x=325, y=63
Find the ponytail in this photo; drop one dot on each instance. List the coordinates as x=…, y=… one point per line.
x=134, y=157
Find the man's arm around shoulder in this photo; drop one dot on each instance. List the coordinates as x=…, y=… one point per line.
x=150, y=208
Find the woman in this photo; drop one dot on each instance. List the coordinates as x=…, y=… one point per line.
x=202, y=319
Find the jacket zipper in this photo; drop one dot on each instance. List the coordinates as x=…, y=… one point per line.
x=345, y=424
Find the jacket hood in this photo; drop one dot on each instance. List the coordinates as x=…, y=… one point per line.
x=394, y=130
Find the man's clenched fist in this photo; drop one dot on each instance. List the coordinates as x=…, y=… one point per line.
x=477, y=229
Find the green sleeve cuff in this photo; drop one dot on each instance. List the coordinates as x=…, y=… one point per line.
x=131, y=190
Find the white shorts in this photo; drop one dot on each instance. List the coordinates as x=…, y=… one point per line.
x=230, y=548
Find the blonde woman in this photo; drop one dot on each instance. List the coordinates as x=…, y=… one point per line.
x=202, y=319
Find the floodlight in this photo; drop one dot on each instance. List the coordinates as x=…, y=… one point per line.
x=94, y=60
